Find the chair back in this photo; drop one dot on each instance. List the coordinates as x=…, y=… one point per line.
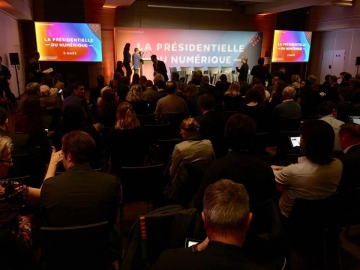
x=146, y=119
x=157, y=132
x=80, y=247
x=226, y=69
x=173, y=69
x=166, y=148
x=213, y=70
x=199, y=68
x=187, y=70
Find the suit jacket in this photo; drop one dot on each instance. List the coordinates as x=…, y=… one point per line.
x=260, y=72
x=19, y=141
x=78, y=197
x=160, y=67
x=287, y=110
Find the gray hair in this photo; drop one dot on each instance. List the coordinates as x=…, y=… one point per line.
x=5, y=145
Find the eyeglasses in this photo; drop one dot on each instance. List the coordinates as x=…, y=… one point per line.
x=7, y=160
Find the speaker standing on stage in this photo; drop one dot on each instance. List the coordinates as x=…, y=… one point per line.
x=136, y=60
x=244, y=69
x=127, y=60
x=159, y=67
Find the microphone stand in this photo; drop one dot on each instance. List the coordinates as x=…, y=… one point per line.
x=17, y=80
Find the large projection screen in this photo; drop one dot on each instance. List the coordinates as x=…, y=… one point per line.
x=291, y=46
x=80, y=42
x=191, y=48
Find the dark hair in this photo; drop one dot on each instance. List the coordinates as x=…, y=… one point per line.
x=71, y=78
x=318, y=141
x=153, y=56
x=255, y=81
x=135, y=79
x=3, y=116
x=280, y=88
x=32, y=89
x=100, y=80
x=261, y=61
x=124, y=80
x=127, y=47
x=160, y=84
x=352, y=129
x=75, y=85
x=347, y=77
x=170, y=87
x=240, y=131
x=176, y=75
x=207, y=101
x=255, y=95
x=80, y=145
x=220, y=86
x=326, y=108
x=327, y=77
x=223, y=78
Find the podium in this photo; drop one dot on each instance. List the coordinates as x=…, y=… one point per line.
x=147, y=69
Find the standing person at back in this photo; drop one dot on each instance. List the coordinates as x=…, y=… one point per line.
x=260, y=71
x=127, y=60
x=159, y=67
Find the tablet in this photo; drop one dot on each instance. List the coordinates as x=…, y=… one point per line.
x=191, y=242
x=354, y=119
x=295, y=141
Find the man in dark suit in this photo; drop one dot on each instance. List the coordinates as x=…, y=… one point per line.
x=212, y=124
x=226, y=219
x=348, y=189
x=260, y=71
x=78, y=98
x=205, y=84
x=159, y=67
x=78, y=196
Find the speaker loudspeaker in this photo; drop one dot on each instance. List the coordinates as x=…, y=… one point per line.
x=14, y=59
x=357, y=61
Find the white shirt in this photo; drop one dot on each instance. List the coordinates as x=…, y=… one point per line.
x=335, y=124
x=307, y=180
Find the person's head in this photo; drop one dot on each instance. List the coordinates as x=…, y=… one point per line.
x=175, y=76
x=109, y=95
x=33, y=89
x=32, y=108
x=219, y=86
x=36, y=55
x=349, y=135
x=327, y=78
x=135, y=93
x=153, y=58
x=190, y=90
x=278, y=88
x=333, y=79
x=226, y=210
x=244, y=59
x=127, y=47
x=317, y=141
x=234, y=90
x=136, y=50
x=135, y=79
x=78, y=148
x=346, y=77
x=274, y=80
x=223, y=78
x=261, y=90
x=57, y=77
x=312, y=79
x=354, y=83
x=205, y=79
x=345, y=93
x=73, y=117
x=295, y=78
x=170, y=87
x=100, y=80
x=149, y=83
x=206, y=102
x=255, y=81
x=302, y=84
x=71, y=78
x=160, y=84
x=188, y=126
x=254, y=95
x=282, y=70
x=78, y=89
x=5, y=155
x=261, y=61
x=124, y=80
x=4, y=119
x=142, y=80
x=327, y=108
x=240, y=132
x=288, y=93
x=158, y=77
x=44, y=91
x=119, y=65
x=126, y=117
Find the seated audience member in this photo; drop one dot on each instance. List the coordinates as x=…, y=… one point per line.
x=313, y=83
x=244, y=85
x=160, y=93
x=274, y=80
x=106, y=106
x=149, y=92
x=79, y=196
x=142, y=80
x=256, y=109
x=295, y=81
x=192, y=149
x=309, y=100
x=30, y=119
x=48, y=82
x=232, y=97
x=175, y=77
x=171, y=103
x=345, y=107
x=326, y=81
x=123, y=87
x=191, y=93
x=78, y=98
x=226, y=215
x=205, y=84
x=70, y=80
x=58, y=84
x=345, y=77
x=95, y=93
x=355, y=87
x=327, y=111
x=32, y=89
x=15, y=229
x=127, y=140
x=48, y=101
x=315, y=176
x=136, y=98
x=288, y=109
x=276, y=94
x=239, y=165
x=348, y=189
x=212, y=124
x=219, y=92
x=224, y=81
x=158, y=77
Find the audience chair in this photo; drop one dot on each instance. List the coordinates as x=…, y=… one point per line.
x=146, y=119
x=182, y=76
x=165, y=149
x=78, y=247
x=199, y=68
x=157, y=132
x=173, y=69
x=226, y=69
x=174, y=119
x=213, y=71
x=187, y=70
x=261, y=141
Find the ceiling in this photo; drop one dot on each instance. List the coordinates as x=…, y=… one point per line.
x=251, y=6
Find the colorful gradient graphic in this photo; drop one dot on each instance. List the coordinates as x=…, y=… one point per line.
x=291, y=46
x=191, y=48
x=79, y=42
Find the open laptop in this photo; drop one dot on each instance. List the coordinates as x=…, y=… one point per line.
x=354, y=119
x=190, y=242
x=295, y=141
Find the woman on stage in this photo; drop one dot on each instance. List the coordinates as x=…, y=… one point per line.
x=127, y=60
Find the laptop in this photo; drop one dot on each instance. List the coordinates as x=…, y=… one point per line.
x=191, y=242
x=295, y=141
x=354, y=119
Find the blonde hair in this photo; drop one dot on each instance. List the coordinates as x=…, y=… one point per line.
x=158, y=77
x=126, y=117
x=190, y=125
x=296, y=78
x=135, y=93
x=6, y=145
x=234, y=90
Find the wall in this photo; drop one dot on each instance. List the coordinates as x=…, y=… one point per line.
x=10, y=43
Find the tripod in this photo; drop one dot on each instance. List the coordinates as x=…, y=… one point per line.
x=17, y=79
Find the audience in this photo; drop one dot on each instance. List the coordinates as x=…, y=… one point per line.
x=288, y=109
x=136, y=98
x=107, y=106
x=191, y=93
x=232, y=97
